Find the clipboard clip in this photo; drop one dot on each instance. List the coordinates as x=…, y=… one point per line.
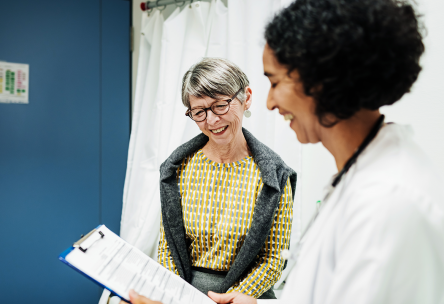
x=88, y=240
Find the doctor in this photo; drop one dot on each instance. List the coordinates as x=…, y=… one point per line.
x=379, y=235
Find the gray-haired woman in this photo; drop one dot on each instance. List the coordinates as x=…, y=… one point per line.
x=227, y=199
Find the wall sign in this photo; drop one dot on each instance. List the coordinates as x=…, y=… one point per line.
x=14, y=82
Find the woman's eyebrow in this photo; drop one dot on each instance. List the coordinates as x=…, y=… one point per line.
x=214, y=101
x=199, y=107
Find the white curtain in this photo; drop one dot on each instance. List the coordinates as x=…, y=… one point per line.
x=167, y=50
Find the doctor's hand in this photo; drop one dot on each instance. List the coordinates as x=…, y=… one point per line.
x=135, y=298
x=232, y=297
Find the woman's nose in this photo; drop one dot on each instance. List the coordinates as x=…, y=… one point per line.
x=212, y=118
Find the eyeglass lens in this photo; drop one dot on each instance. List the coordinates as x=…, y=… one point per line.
x=218, y=108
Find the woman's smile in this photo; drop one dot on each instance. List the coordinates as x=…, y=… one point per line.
x=219, y=131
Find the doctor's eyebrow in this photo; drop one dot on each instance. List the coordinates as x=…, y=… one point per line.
x=268, y=74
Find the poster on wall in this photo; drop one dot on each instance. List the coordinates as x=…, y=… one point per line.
x=14, y=82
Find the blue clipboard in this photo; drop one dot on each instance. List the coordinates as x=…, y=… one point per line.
x=64, y=254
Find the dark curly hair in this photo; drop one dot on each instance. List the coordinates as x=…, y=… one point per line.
x=350, y=54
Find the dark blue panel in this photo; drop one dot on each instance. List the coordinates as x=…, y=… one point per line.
x=49, y=155
x=51, y=149
x=115, y=107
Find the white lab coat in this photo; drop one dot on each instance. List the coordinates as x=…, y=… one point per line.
x=380, y=237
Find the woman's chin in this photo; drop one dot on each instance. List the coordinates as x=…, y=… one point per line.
x=221, y=138
x=220, y=141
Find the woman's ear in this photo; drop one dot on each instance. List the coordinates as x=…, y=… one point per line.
x=249, y=99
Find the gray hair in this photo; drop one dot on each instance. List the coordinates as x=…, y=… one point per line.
x=213, y=77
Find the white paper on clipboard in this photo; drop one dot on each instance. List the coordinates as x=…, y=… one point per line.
x=119, y=267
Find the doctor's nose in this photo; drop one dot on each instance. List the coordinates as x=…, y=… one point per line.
x=271, y=104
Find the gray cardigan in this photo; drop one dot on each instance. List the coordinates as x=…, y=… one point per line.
x=274, y=174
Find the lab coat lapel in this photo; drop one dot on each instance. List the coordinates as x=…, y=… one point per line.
x=314, y=234
x=310, y=255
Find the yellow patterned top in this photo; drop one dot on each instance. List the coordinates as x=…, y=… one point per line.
x=217, y=206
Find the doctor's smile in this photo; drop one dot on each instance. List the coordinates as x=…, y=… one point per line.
x=288, y=117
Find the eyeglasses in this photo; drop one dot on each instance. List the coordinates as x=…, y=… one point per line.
x=218, y=108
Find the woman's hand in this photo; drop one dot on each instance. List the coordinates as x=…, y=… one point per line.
x=232, y=297
x=135, y=298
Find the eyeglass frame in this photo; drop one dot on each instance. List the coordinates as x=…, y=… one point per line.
x=188, y=112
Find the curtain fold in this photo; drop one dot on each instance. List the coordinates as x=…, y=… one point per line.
x=167, y=50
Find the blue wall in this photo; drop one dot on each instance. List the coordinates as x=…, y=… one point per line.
x=63, y=155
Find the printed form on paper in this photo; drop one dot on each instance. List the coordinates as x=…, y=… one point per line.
x=120, y=267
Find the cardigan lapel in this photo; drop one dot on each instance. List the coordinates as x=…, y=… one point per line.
x=264, y=209
x=171, y=205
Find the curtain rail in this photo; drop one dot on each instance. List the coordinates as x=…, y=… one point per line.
x=144, y=6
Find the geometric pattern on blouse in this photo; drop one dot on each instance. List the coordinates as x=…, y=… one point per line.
x=218, y=201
